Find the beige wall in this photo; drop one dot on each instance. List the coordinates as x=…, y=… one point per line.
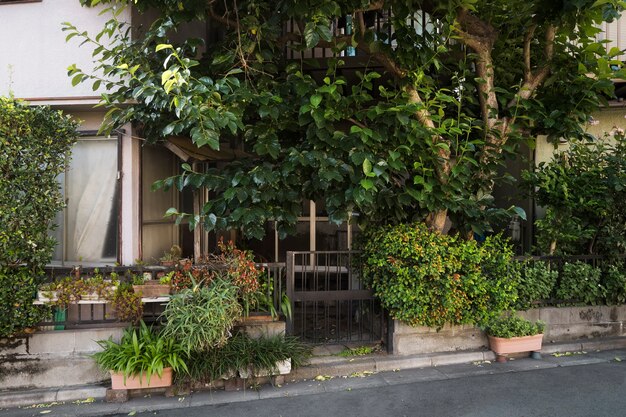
x=33, y=53
x=605, y=121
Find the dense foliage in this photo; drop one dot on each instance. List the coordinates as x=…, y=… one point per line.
x=426, y=278
x=583, y=190
x=34, y=143
x=201, y=317
x=537, y=282
x=408, y=117
x=244, y=353
x=571, y=283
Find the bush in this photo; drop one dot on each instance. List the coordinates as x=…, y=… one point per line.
x=513, y=326
x=243, y=352
x=201, y=318
x=430, y=279
x=34, y=144
x=141, y=352
x=582, y=189
x=614, y=279
x=580, y=283
x=537, y=283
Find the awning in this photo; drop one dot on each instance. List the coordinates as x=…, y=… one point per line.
x=186, y=150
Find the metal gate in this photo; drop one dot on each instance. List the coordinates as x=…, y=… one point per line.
x=329, y=303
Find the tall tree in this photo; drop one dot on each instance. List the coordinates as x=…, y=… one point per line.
x=397, y=110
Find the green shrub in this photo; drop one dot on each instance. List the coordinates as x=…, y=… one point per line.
x=201, y=318
x=243, y=352
x=34, y=144
x=430, y=279
x=513, y=326
x=537, y=283
x=141, y=352
x=614, y=280
x=580, y=283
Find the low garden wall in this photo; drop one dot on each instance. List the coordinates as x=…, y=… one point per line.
x=55, y=359
x=52, y=358
x=562, y=324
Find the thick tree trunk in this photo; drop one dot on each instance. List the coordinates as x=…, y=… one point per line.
x=436, y=221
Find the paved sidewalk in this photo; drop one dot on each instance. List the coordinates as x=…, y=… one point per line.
x=324, y=383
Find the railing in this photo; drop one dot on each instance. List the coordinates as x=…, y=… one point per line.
x=329, y=302
x=99, y=313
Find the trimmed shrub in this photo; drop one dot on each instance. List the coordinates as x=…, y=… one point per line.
x=614, y=280
x=537, y=283
x=430, y=279
x=580, y=283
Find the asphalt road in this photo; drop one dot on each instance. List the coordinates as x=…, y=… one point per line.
x=595, y=390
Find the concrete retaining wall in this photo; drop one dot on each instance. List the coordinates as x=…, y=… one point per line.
x=52, y=359
x=562, y=324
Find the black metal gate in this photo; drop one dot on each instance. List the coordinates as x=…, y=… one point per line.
x=329, y=303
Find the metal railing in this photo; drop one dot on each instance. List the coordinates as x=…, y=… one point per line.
x=329, y=302
x=100, y=313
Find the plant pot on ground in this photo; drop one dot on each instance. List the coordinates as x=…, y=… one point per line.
x=513, y=334
x=143, y=358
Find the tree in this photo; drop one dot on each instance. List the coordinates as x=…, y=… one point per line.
x=583, y=190
x=34, y=143
x=414, y=126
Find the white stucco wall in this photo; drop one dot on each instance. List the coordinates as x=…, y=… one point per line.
x=33, y=53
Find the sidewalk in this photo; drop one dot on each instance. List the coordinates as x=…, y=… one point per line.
x=325, y=374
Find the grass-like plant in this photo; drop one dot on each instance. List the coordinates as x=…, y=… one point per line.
x=141, y=351
x=243, y=352
x=201, y=318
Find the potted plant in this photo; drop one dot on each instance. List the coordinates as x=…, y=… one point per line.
x=513, y=334
x=149, y=288
x=127, y=304
x=47, y=292
x=142, y=359
x=171, y=257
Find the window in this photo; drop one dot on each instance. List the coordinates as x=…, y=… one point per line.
x=88, y=227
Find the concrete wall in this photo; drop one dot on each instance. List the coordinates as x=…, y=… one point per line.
x=55, y=359
x=562, y=324
x=52, y=359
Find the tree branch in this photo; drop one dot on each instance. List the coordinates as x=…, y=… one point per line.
x=528, y=37
x=481, y=36
x=536, y=79
x=222, y=19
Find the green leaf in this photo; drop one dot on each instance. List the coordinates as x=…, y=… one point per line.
x=315, y=100
x=367, y=167
x=163, y=46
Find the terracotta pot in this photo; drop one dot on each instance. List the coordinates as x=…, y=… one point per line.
x=135, y=381
x=501, y=345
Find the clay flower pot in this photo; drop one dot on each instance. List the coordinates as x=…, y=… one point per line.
x=502, y=345
x=136, y=381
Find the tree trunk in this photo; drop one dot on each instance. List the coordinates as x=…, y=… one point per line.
x=436, y=221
